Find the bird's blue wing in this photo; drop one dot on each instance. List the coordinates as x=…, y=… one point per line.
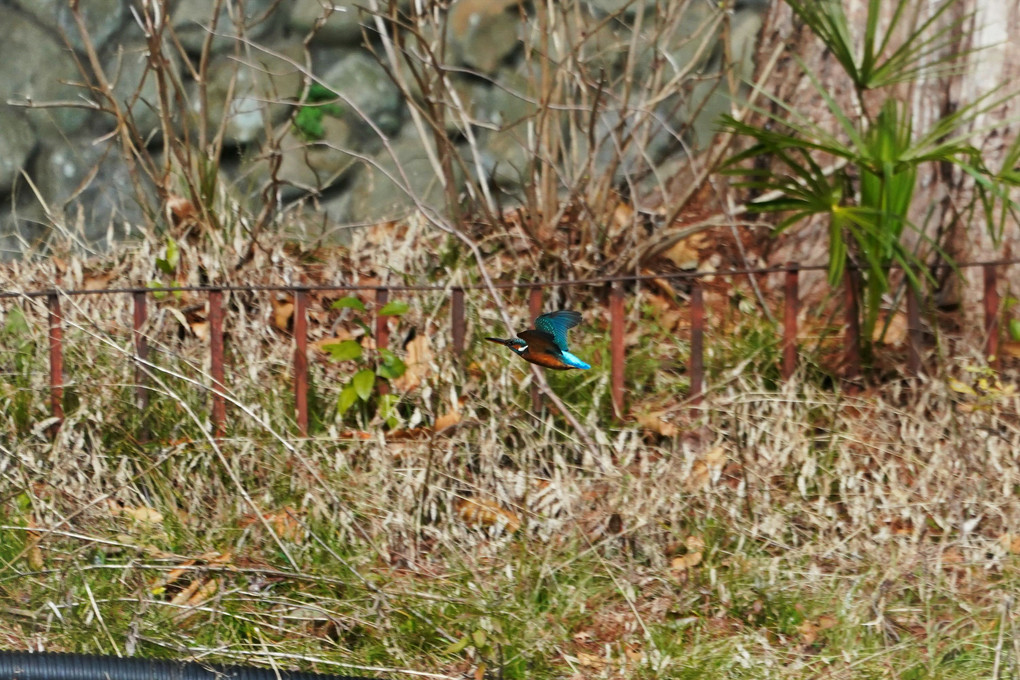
x=556, y=324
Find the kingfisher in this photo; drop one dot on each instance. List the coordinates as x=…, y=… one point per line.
x=546, y=343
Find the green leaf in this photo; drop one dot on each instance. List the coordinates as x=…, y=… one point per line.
x=319, y=101
x=363, y=382
x=172, y=257
x=173, y=253
x=159, y=294
x=16, y=323
x=349, y=302
x=1014, y=329
x=394, y=308
x=387, y=405
x=391, y=366
x=364, y=326
x=308, y=123
x=320, y=93
x=344, y=351
x=348, y=395
x=326, y=99
x=478, y=637
x=458, y=646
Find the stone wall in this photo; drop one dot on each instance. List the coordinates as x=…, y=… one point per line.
x=638, y=80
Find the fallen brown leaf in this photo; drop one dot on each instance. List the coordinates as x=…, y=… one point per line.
x=200, y=329
x=321, y=344
x=419, y=355
x=204, y=592
x=283, y=314
x=98, y=281
x=654, y=423
x=172, y=576
x=485, y=512
x=826, y=621
x=694, y=542
x=683, y=562
x=144, y=514
x=589, y=660
x=809, y=629
x=185, y=595
x=34, y=556
x=896, y=332
x=1011, y=543
x=447, y=420
x=683, y=254
x=808, y=632
x=284, y=522
x=705, y=468
x=180, y=208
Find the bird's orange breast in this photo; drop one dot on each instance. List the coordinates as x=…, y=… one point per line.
x=546, y=359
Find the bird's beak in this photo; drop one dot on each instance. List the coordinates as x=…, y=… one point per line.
x=498, y=340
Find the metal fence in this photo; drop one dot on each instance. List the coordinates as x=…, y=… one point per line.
x=851, y=348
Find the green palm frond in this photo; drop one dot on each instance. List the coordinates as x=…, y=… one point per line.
x=899, y=53
x=872, y=157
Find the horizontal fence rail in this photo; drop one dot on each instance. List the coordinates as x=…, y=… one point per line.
x=695, y=367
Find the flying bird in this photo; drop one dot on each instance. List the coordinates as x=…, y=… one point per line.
x=546, y=343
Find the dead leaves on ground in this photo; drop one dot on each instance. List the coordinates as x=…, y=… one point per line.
x=983, y=393
x=597, y=662
x=486, y=512
x=1010, y=543
x=655, y=422
x=891, y=329
x=141, y=514
x=445, y=424
x=811, y=629
x=188, y=586
x=283, y=313
x=286, y=523
x=694, y=550
x=706, y=470
x=688, y=253
x=418, y=360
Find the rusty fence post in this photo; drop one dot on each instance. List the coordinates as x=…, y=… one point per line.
x=219, y=402
x=141, y=350
x=534, y=310
x=914, y=332
x=852, y=338
x=457, y=321
x=791, y=307
x=616, y=343
x=301, y=360
x=697, y=361
x=56, y=338
x=382, y=330
x=991, y=315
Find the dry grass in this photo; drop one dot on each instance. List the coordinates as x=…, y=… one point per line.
x=791, y=533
